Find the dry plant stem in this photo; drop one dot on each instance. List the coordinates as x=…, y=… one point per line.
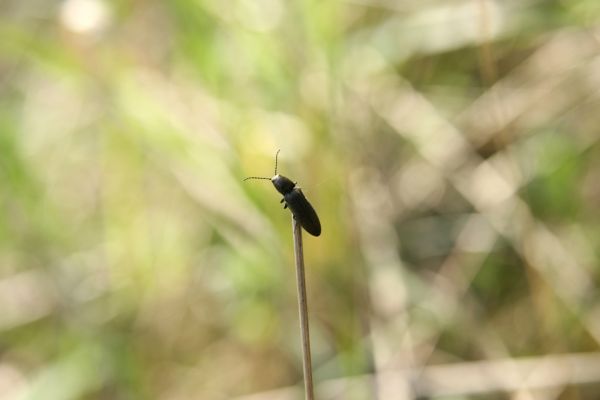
x=303, y=310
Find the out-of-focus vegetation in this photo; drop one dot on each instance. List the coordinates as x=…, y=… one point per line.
x=451, y=149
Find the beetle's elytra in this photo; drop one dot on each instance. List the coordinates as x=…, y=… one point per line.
x=294, y=199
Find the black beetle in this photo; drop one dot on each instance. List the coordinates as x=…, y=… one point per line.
x=294, y=200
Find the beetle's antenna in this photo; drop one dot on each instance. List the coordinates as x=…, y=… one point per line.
x=276, y=154
x=256, y=177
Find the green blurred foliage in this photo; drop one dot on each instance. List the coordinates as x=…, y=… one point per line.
x=450, y=149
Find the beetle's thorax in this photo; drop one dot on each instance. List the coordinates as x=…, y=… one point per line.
x=282, y=184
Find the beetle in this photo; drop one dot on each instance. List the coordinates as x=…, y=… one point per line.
x=294, y=199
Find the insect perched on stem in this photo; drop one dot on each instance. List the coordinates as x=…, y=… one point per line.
x=294, y=200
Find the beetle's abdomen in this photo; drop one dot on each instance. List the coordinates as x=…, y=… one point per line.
x=303, y=211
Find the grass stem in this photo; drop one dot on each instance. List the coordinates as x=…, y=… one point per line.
x=303, y=310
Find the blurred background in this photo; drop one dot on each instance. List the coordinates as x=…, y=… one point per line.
x=450, y=147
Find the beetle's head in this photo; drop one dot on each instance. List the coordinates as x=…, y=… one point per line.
x=282, y=184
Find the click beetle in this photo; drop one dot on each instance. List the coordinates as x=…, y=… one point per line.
x=294, y=199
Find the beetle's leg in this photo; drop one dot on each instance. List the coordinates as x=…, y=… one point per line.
x=285, y=205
